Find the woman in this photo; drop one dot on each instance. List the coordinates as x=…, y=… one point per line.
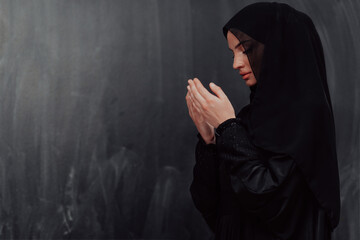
x=270, y=172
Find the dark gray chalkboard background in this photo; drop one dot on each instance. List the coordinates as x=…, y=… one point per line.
x=95, y=137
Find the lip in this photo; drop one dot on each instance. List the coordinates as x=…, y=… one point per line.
x=245, y=76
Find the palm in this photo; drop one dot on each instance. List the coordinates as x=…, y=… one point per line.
x=205, y=129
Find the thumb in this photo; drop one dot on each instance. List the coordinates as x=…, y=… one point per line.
x=217, y=90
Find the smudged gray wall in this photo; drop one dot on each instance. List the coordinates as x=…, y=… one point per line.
x=96, y=141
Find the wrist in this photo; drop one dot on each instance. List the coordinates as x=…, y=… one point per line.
x=225, y=124
x=212, y=141
x=224, y=120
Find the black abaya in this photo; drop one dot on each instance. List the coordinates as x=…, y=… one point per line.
x=263, y=196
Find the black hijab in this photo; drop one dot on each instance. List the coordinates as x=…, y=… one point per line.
x=290, y=110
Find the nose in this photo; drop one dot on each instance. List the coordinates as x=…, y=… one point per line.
x=238, y=62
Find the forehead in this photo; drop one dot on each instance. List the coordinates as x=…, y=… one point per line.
x=235, y=36
x=231, y=37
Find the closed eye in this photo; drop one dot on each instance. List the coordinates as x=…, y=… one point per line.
x=247, y=51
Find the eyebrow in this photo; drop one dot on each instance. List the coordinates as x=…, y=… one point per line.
x=237, y=45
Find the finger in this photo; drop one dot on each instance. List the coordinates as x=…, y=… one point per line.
x=190, y=107
x=217, y=90
x=187, y=98
x=196, y=103
x=190, y=104
x=196, y=113
x=199, y=100
x=202, y=90
x=191, y=95
x=195, y=107
x=193, y=112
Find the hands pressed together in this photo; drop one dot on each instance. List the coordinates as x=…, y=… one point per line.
x=207, y=110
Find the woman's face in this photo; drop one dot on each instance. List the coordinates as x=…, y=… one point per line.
x=241, y=61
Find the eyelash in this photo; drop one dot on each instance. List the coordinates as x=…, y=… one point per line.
x=245, y=52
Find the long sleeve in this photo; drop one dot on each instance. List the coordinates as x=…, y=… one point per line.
x=256, y=176
x=204, y=188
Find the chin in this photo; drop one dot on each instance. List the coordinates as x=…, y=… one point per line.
x=250, y=82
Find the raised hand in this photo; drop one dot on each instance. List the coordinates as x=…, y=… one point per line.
x=204, y=128
x=215, y=109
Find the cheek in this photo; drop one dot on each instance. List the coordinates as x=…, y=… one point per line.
x=247, y=62
x=239, y=59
